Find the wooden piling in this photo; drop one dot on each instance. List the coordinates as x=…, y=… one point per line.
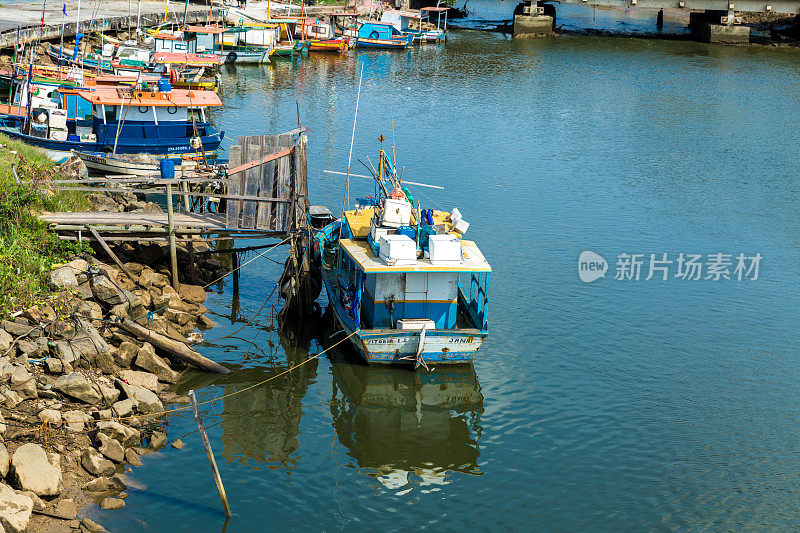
x=173, y=256
x=209, y=453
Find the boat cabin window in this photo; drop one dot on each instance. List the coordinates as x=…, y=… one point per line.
x=110, y=113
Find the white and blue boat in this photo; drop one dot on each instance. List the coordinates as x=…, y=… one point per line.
x=403, y=283
x=140, y=119
x=382, y=35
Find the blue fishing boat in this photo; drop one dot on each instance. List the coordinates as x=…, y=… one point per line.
x=404, y=284
x=382, y=35
x=139, y=119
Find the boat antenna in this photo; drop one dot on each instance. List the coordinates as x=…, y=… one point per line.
x=352, y=139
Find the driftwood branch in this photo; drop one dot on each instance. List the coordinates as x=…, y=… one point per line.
x=176, y=349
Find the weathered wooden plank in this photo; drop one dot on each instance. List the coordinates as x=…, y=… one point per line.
x=251, y=187
x=263, y=207
x=261, y=160
x=300, y=183
x=269, y=186
x=133, y=218
x=284, y=185
x=232, y=206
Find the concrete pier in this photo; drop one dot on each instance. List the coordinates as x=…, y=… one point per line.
x=718, y=27
x=531, y=20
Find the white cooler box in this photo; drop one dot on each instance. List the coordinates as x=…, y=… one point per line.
x=58, y=119
x=396, y=213
x=445, y=250
x=376, y=231
x=398, y=250
x=416, y=324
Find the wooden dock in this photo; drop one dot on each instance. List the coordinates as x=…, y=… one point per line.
x=264, y=194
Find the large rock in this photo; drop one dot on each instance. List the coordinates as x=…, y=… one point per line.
x=96, y=464
x=77, y=386
x=75, y=420
x=23, y=382
x=149, y=278
x=15, y=509
x=19, y=330
x=125, y=354
x=73, y=169
x=142, y=379
x=124, y=407
x=88, y=344
x=62, y=278
x=127, y=436
x=146, y=400
x=32, y=470
x=4, y=460
x=111, y=448
x=50, y=416
x=148, y=360
x=101, y=202
x=91, y=526
x=112, y=504
x=5, y=341
x=106, y=291
x=194, y=294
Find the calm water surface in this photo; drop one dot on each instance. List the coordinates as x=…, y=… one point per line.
x=615, y=405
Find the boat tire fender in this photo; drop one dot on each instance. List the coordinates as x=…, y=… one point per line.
x=374, y=35
x=231, y=57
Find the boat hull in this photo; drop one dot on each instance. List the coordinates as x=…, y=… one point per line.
x=110, y=165
x=402, y=347
x=332, y=45
x=60, y=149
x=384, y=44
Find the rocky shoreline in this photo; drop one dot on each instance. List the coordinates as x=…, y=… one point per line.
x=81, y=399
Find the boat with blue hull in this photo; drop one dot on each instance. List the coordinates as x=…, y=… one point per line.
x=402, y=283
x=383, y=36
x=140, y=119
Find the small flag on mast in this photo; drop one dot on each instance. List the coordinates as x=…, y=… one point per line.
x=64, y=9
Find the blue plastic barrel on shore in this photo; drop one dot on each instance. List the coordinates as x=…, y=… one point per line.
x=167, y=169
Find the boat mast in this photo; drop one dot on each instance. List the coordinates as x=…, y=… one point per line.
x=352, y=139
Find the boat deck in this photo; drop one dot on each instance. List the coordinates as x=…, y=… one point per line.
x=361, y=253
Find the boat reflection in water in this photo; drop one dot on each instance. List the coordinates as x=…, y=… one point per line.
x=402, y=427
x=261, y=425
x=408, y=428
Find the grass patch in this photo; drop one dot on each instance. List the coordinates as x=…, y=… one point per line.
x=28, y=251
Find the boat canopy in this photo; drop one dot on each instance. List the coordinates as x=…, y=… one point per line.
x=360, y=252
x=128, y=96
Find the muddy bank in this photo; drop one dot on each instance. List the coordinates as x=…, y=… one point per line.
x=81, y=398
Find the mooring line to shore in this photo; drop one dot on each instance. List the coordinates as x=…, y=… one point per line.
x=284, y=241
x=212, y=400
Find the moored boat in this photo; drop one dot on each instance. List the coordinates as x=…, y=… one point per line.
x=382, y=35
x=403, y=284
x=145, y=118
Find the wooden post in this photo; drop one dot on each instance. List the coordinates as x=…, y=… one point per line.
x=210, y=454
x=173, y=256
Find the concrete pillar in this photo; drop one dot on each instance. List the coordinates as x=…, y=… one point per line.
x=719, y=27
x=534, y=20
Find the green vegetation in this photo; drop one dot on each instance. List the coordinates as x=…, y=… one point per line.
x=27, y=250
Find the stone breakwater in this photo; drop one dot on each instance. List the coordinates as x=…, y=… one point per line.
x=81, y=400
